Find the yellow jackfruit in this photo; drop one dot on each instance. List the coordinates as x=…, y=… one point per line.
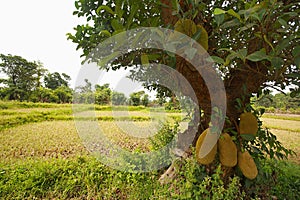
x=227, y=150
x=208, y=158
x=247, y=165
x=248, y=124
x=188, y=27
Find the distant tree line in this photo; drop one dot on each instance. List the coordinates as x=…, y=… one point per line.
x=279, y=102
x=30, y=81
x=103, y=95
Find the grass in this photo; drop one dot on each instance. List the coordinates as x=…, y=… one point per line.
x=282, y=116
x=287, y=130
x=280, y=124
x=41, y=140
x=43, y=157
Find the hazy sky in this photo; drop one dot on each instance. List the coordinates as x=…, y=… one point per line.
x=36, y=30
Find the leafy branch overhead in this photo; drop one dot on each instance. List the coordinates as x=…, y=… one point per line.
x=240, y=33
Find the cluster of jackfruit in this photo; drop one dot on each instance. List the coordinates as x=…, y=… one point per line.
x=226, y=147
x=229, y=155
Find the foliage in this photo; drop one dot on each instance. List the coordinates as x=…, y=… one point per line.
x=55, y=80
x=165, y=135
x=103, y=94
x=22, y=77
x=280, y=102
x=23, y=82
x=118, y=98
x=139, y=98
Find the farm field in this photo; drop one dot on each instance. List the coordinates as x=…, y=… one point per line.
x=42, y=154
x=287, y=129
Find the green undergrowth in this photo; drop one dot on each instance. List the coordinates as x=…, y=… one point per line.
x=86, y=178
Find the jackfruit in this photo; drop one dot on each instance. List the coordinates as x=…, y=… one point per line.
x=248, y=124
x=210, y=156
x=227, y=150
x=188, y=27
x=247, y=165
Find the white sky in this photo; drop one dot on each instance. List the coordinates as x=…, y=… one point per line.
x=36, y=30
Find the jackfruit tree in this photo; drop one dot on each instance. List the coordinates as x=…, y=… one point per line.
x=255, y=46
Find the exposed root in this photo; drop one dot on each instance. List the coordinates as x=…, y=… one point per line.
x=170, y=173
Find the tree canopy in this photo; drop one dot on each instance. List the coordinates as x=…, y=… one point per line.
x=255, y=44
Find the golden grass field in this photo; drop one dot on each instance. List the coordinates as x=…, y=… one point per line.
x=287, y=131
x=48, y=139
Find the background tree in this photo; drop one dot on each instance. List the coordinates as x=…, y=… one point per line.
x=145, y=100
x=139, y=98
x=64, y=94
x=118, y=98
x=84, y=94
x=102, y=94
x=22, y=76
x=55, y=80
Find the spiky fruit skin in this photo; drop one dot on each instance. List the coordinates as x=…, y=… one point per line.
x=188, y=27
x=210, y=157
x=227, y=151
x=247, y=165
x=248, y=124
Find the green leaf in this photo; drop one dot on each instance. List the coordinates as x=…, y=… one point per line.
x=116, y=25
x=248, y=137
x=277, y=62
x=108, y=59
x=106, y=8
x=133, y=11
x=268, y=42
x=197, y=35
x=258, y=56
x=282, y=45
x=283, y=22
x=234, y=14
x=217, y=59
x=144, y=59
x=219, y=11
x=247, y=26
x=242, y=54
x=105, y=32
x=297, y=62
x=231, y=23
x=219, y=19
x=296, y=51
